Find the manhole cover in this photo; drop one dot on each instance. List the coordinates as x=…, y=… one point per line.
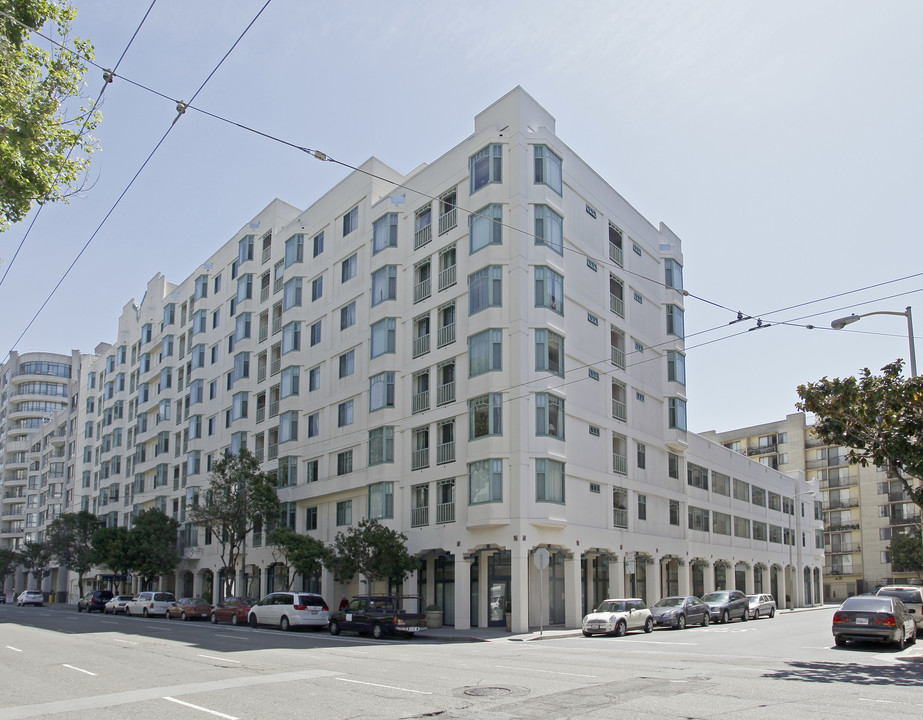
x=485, y=691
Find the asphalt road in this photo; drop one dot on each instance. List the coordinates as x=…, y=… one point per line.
x=56, y=663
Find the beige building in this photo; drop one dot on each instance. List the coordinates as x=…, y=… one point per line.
x=862, y=506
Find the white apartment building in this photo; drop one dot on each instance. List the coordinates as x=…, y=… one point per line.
x=486, y=354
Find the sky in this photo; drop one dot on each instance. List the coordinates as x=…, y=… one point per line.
x=780, y=141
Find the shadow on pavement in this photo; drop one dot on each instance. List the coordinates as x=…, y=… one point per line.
x=855, y=673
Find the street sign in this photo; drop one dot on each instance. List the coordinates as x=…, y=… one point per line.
x=540, y=558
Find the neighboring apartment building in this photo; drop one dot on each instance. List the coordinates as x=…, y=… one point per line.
x=486, y=354
x=862, y=506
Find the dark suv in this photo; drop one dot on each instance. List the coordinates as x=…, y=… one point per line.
x=94, y=600
x=727, y=605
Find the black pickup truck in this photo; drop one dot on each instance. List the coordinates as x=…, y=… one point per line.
x=379, y=615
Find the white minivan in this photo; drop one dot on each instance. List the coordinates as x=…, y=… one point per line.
x=290, y=609
x=150, y=602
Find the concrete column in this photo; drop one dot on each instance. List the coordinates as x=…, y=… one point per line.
x=748, y=581
x=462, y=592
x=685, y=579
x=412, y=586
x=483, y=592
x=327, y=589
x=519, y=587
x=429, y=592
x=616, y=579
x=573, y=611
x=652, y=586
x=591, y=601
x=197, y=584
x=708, y=578
x=783, y=601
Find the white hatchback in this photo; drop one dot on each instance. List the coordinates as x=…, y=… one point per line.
x=31, y=597
x=618, y=616
x=290, y=609
x=150, y=603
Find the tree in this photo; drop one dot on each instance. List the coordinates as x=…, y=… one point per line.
x=373, y=551
x=35, y=557
x=70, y=538
x=152, y=545
x=40, y=114
x=878, y=417
x=112, y=546
x=302, y=553
x=907, y=552
x=8, y=562
x=240, y=498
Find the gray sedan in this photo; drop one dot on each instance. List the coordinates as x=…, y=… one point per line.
x=761, y=605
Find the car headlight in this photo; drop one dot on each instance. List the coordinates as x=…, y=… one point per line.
x=585, y=618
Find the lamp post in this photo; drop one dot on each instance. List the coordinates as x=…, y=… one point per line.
x=791, y=540
x=840, y=323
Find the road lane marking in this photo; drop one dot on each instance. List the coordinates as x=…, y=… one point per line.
x=199, y=707
x=233, y=637
x=389, y=687
x=212, y=657
x=129, y=642
x=10, y=647
x=553, y=672
x=86, y=672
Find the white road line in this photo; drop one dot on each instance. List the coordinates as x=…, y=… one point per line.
x=10, y=647
x=212, y=657
x=199, y=707
x=389, y=687
x=128, y=642
x=664, y=642
x=86, y=672
x=553, y=672
x=233, y=637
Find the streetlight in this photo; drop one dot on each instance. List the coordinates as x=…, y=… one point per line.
x=791, y=541
x=840, y=323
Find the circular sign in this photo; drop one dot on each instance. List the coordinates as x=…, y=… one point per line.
x=540, y=558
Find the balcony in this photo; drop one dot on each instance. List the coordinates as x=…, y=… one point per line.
x=620, y=518
x=844, y=503
x=617, y=305
x=619, y=464
x=277, y=325
x=838, y=482
x=447, y=221
x=273, y=452
x=616, y=255
x=421, y=345
x=617, y=357
x=259, y=454
x=447, y=277
x=765, y=450
x=275, y=367
x=619, y=410
x=419, y=517
x=445, y=335
x=273, y=408
x=422, y=290
x=422, y=236
x=420, y=401
x=264, y=294
x=261, y=373
x=264, y=333
x=445, y=513
x=419, y=459
x=445, y=453
x=260, y=414
x=844, y=548
x=445, y=393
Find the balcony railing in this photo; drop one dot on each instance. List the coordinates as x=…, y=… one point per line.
x=273, y=452
x=445, y=393
x=276, y=325
x=419, y=459
x=619, y=464
x=264, y=293
x=419, y=516
x=617, y=357
x=264, y=332
x=420, y=401
x=619, y=410
x=421, y=345
x=445, y=335
x=273, y=408
x=261, y=373
x=843, y=503
x=445, y=453
x=617, y=305
x=260, y=414
x=422, y=290
x=447, y=221
x=422, y=236
x=615, y=255
x=445, y=512
x=447, y=277
x=620, y=518
x=275, y=367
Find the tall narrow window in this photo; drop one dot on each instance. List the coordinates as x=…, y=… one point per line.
x=549, y=352
x=485, y=227
x=384, y=233
x=486, y=166
x=548, y=168
x=549, y=228
x=549, y=290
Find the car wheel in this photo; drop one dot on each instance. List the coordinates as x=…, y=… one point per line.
x=167, y=615
x=235, y=620
x=377, y=631
x=772, y=612
x=213, y=618
x=284, y=624
x=681, y=622
x=619, y=629
x=252, y=620
x=745, y=616
x=706, y=619
x=585, y=634
x=183, y=617
x=335, y=628
x=726, y=617
x=840, y=641
x=144, y=612
x=902, y=643
x=79, y=609
x=649, y=625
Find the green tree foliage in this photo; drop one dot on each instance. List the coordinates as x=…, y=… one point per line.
x=152, y=543
x=8, y=562
x=36, y=558
x=878, y=417
x=907, y=552
x=373, y=551
x=41, y=118
x=112, y=546
x=70, y=539
x=240, y=497
x=302, y=553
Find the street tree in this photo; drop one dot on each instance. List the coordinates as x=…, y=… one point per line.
x=302, y=553
x=373, y=551
x=879, y=418
x=240, y=497
x=152, y=544
x=70, y=538
x=907, y=552
x=8, y=562
x=112, y=546
x=36, y=558
x=45, y=140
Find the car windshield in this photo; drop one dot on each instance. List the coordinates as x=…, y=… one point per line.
x=715, y=597
x=670, y=602
x=611, y=606
x=868, y=603
x=905, y=596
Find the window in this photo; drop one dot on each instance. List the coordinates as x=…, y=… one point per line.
x=242, y=326
x=291, y=294
x=758, y=496
x=549, y=352
x=217, y=284
x=485, y=227
x=617, y=295
x=549, y=228
x=642, y=455
x=677, y=413
x=447, y=267
x=169, y=314
x=549, y=290
x=245, y=287
x=447, y=211
x=291, y=337
x=549, y=481
x=349, y=267
x=348, y=315
x=316, y=333
x=381, y=445
x=698, y=519
x=241, y=367
x=290, y=381
x=741, y=527
x=486, y=166
x=673, y=465
x=383, y=337
x=676, y=367
x=423, y=226
x=294, y=250
x=317, y=288
x=198, y=322
x=485, y=416
x=310, y=518
x=245, y=249
x=485, y=352
x=345, y=462
x=319, y=239
x=673, y=274
x=674, y=512
x=288, y=471
x=720, y=483
x=345, y=413
x=350, y=221
x=741, y=491
x=419, y=449
x=549, y=415
x=381, y=391
x=485, y=289
x=485, y=481
x=721, y=523
x=548, y=169
x=239, y=407
x=642, y=507
x=697, y=476
x=675, y=321
x=384, y=233
x=381, y=500
x=314, y=379
x=384, y=284
x=345, y=512
x=347, y=363
x=759, y=530
x=288, y=426
x=313, y=425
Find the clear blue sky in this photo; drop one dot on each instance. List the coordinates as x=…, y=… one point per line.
x=780, y=141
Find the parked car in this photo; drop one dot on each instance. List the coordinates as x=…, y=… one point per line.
x=290, y=609
x=379, y=615
x=150, y=603
x=677, y=612
x=94, y=600
x=911, y=596
x=727, y=605
x=190, y=609
x=618, y=616
x=878, y=617
x=117, y=604
x=761, y=605
x=233, y=610
x=30, y=597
